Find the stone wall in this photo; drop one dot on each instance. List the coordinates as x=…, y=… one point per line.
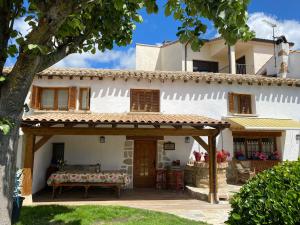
x=198, y=174
x=127, y=164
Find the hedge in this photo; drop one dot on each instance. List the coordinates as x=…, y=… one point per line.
x=271, y=197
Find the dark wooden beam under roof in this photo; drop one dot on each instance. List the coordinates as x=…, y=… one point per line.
x=199, y=126
x=118, y=131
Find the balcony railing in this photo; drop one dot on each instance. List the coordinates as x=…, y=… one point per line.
x=240, y=69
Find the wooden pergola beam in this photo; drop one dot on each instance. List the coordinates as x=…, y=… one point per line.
x=41, y=142
x=201, y=142
x=41, y=131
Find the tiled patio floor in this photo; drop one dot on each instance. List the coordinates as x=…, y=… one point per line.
x=178, y=203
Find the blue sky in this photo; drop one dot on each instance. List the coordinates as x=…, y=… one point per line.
x=156, y=28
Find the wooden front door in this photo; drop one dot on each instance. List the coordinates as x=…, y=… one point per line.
x=144, y=163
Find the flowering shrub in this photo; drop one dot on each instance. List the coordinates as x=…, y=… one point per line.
x=260, y=156
x=271, y=197
x=222, y=156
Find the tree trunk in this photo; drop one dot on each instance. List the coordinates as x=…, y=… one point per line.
x=12, y=98
x=8, y=146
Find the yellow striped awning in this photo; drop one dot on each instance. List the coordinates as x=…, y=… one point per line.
x=254, y=123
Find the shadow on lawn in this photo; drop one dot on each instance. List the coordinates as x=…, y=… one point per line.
x=45, y=215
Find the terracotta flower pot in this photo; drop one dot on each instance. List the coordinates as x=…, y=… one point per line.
x=206, y=158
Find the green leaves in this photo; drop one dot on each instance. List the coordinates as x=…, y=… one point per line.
x=36, y=49
x=5, y=126
x=236, y=216
x=272, y=197
x=12, y=50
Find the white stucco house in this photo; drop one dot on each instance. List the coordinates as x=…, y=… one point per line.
x=123, y=119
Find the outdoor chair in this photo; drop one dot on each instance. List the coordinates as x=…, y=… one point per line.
x=242, y=173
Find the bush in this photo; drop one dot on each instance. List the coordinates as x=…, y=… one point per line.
x=271, y=197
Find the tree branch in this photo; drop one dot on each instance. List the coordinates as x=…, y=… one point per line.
x=54, y=57
x=5, y=9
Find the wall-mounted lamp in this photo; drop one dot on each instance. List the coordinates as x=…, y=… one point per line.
x=187, y=139
x=26, y=107
x=102, y=139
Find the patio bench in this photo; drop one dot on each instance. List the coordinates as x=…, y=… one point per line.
x=116, y=186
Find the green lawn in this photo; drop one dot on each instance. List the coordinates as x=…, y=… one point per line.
x=97, y=215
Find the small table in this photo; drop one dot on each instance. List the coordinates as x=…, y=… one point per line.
x=114, y=179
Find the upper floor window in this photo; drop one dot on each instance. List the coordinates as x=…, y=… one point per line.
x=205, y=66
x=144, y=100
x=84, y=99
x=240, y=103
x=54, y=98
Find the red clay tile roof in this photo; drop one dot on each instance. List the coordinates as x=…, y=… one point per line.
x=122, y=118
x=166, y=75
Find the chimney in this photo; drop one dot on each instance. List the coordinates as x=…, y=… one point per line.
x=282, y=56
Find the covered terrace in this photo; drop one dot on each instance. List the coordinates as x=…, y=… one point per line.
x=46, y=125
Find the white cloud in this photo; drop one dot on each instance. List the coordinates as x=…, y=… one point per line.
x=289, y=28
x=116, y=59
x=22, y=26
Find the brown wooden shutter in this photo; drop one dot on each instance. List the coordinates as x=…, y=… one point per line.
x=155, y=104
x=148, y=101
x=35, y=101
x=250, y=103
x=72, y=98
x=141, y=100
x=231, y=102
x=246, y=104
x=88, y=98
x=144, y=100
x=133, y=100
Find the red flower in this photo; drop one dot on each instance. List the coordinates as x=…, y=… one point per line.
x=222, y=156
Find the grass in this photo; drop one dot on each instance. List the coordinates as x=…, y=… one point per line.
x=97, y=215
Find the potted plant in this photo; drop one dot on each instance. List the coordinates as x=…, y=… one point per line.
x=274, y=155
x=222, y=156
x=197, y=156
x=239, y=155
x=17, y=198
x=206, y=157
x=61, y=164
x=260, y=156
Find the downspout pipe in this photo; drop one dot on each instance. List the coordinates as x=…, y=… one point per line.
x=229, y=59
x=185, y=56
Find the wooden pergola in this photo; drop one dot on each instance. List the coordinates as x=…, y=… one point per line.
x=40, y=126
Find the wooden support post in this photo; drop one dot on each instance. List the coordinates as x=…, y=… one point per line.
x=28, y=164
x=213, y=183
